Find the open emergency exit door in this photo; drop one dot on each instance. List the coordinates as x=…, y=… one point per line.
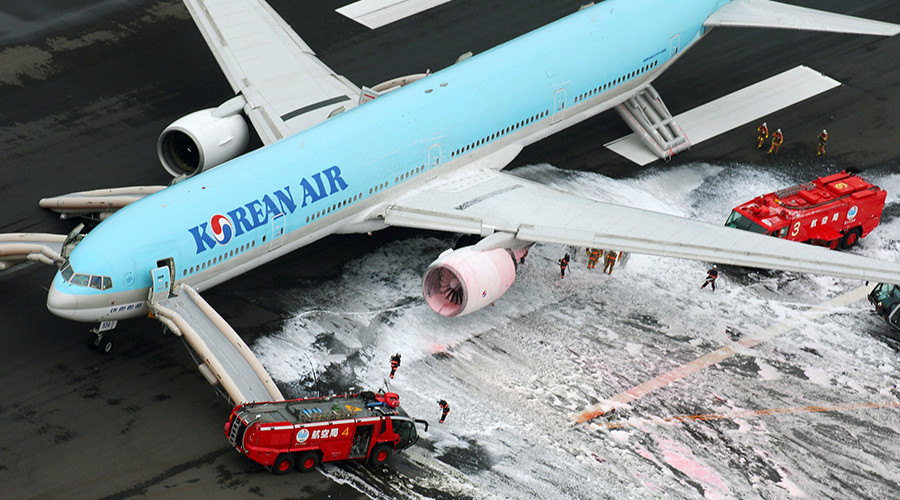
x=162, y=279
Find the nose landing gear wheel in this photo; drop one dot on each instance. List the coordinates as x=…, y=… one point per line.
x=100, y=343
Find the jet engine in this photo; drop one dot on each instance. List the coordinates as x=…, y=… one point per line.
x=203, y=139
x=465, y=280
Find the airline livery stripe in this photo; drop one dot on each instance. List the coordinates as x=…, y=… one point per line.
x=313, y=107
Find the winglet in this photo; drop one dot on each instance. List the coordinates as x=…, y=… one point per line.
x=768, y=14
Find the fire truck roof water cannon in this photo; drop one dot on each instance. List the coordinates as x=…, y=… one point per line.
x=831, y=211
x=302, y=433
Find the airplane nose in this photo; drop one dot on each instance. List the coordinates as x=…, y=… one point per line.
x=61, y=303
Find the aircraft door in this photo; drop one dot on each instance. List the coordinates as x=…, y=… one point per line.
x=559, y=105
x=434, y=156
x=674, y=45
x=159, y=290
x=278, y=223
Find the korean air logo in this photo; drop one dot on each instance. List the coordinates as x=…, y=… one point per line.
x=221, y=227
x=851, y=214
x=302, y=435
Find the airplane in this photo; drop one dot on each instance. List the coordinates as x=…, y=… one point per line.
x=423, y=151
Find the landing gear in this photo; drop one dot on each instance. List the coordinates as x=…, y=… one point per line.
x=99, y=340
x=100, y=343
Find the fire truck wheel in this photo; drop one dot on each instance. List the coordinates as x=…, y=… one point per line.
x=850, y=238
x=380, y=454
x=833, y=244
x=283, y=464
x=307, y=461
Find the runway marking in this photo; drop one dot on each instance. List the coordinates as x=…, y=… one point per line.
x=377, y=13
x=724, y=353
x=752, y=413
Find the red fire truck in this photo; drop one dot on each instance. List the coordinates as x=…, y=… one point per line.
x=832, y=211
x=303, y=433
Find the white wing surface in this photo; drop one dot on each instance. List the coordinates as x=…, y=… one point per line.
x=486, y=201
x=286, y=87
x=768, y=14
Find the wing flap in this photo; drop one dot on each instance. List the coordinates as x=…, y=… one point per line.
x=537, y=213
x=287, y=88
x=768, y=14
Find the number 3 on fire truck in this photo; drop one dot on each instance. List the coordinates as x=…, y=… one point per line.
x=795, y=229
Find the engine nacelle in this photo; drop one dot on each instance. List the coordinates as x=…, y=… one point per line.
x=465, y=280
x=202, y=140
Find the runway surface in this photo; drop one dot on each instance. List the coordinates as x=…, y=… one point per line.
x=84, y=93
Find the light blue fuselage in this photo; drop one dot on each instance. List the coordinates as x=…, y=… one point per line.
x=328, y=179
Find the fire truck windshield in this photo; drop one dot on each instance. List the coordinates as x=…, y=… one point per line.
x=736, y=220
x=406, y=429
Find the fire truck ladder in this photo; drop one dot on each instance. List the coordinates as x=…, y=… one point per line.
x=223, y=358
x=648, y=116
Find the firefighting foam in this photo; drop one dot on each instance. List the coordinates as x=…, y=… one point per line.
x=554, y=347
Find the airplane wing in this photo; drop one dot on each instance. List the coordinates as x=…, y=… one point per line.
x=286, y=88
x=768, y=14
x=485, y=201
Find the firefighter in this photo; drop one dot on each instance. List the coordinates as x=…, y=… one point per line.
x=563, y=264
x=609, y=261
x=777, y=139
x=395, y=363
x=823, y=138
x=711, y=276
x=762, y=133
x=593, y=257
x=445, y=409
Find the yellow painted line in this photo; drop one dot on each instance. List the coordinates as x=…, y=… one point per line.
x=720, y=355
x=752, y=413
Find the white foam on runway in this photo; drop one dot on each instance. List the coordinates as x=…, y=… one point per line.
x=514, y=373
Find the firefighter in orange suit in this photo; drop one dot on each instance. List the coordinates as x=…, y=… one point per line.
x=777, y=139
x=395, y=363
x=823, y=138
x=762, y=133
x=445, y=409
x=610, y=261
x=593, y=257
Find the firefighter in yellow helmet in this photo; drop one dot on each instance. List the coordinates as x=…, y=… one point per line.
x=777, y=139
x=762, y=133
x=823, y=138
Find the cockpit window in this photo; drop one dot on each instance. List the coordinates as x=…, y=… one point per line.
x=67, y=271
x=78, y=279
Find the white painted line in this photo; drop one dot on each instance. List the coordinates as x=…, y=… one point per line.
x=722, y=354
x=377, y=13
x=735, y=109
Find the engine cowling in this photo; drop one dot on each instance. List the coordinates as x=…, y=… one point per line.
x=202, y=140
x=465, y=280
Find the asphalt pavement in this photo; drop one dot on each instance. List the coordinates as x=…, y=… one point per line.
x=84, y=93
